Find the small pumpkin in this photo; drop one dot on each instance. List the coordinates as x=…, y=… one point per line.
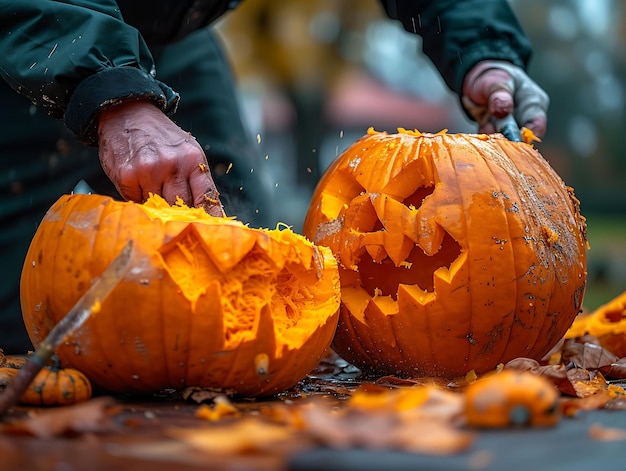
x=52, y=386
x=204, y=297
x=511, y=398
x=607, y=323
x=457, y=252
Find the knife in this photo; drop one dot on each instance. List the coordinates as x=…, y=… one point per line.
x=75, y=318
x=508, y=127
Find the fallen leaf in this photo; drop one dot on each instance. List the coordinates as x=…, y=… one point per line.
x=246, y=435
x=558, y=374
x=570, y=406
x=91, y=416
x=586, y=355
x=616, y=370
x=586, y=383
x=353, y=427
x=616, y=403
x=200, y=395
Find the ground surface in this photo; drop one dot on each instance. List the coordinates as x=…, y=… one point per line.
x=136, y=434
x=144, y=445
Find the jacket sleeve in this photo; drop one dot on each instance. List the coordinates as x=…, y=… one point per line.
x=73, y=58
x=459, y=33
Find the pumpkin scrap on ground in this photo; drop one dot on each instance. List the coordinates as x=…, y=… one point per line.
x=207, y=301
x=511, y=398
x=457, y=252
x=607, y=323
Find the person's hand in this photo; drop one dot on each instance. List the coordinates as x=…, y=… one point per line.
x=495, y=89
x=142, y=151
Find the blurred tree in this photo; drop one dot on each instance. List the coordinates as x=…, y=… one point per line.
x=296, y=47
x=579, y=59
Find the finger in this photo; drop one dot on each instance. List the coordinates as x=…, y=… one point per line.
x=483, y=82
x=127, y=186
x=129, y=192
x=204, y=191
x=501, y=102
x=150, y=187
x=212, y=204
x=176, y=187
x=531, y=101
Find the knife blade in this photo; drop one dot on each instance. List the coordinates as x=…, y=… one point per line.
x=508, y=127
x=75, y=318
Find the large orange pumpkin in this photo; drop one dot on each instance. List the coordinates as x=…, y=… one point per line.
x=206, y=302
x=456, y=251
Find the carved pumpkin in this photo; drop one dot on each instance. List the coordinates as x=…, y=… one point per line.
x=52, y=386
x=203, y=300
x=456, y=252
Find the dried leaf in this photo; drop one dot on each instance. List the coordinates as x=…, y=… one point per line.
x=616, y=370
x=586, y=383
x=523, y=364
x=201, y=395
x=246, y=435
x=618, y=402
x=91, y=416
x=394, y=381
x=586, y=355
x=570, y=406
x=354, y=427
x=555, y=373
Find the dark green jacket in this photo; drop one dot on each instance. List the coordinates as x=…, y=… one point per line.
x=73, y=57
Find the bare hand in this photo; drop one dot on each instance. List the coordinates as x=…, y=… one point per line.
x=142, y=151
x=496, y=89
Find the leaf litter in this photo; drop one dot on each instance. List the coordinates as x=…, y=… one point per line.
x=335, y=406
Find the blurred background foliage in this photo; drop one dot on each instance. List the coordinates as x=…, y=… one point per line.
x=314, y=75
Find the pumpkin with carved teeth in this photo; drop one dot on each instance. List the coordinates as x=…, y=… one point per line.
x=457, y=252
x=206, y=302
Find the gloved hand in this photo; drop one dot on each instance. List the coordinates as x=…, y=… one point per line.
x=142, y=151
x=497, y=89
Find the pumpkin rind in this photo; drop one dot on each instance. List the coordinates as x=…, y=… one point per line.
x=456, y=252
x=202, y=299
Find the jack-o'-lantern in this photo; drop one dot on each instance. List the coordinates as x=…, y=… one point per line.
x=456, y=251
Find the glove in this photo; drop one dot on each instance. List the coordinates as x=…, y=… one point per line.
x=142, y=151
x=495, y=89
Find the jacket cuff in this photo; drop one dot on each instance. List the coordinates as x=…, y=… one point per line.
x=109, y=87
x=494, y=50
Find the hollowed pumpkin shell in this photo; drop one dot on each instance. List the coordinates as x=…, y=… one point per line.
x=456, y=252
x=607, y=323
x=206, y=302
